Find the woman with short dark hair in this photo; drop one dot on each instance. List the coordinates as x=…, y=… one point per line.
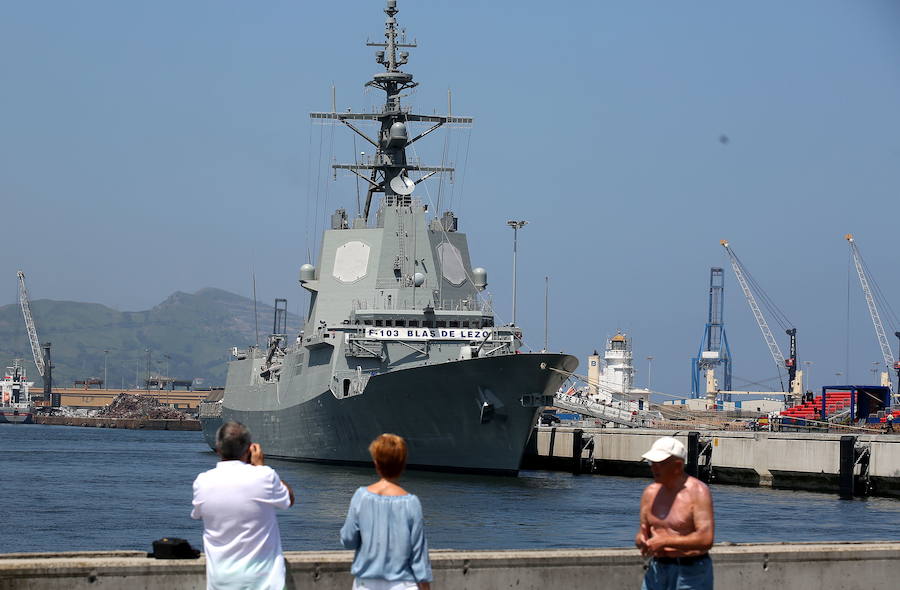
x=385, y=527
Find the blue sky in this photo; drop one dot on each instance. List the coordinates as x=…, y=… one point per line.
x=152, y=147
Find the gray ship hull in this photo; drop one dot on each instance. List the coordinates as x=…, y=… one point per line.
x=209, y=427
x=437, y=408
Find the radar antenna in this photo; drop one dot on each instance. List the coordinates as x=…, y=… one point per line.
x=387, y=170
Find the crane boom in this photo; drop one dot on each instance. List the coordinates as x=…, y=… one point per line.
x=29, y=325
x=870, y=301
x=754, y=307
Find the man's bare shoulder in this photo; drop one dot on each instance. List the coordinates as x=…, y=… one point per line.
x=697, y=488
x=650, y=491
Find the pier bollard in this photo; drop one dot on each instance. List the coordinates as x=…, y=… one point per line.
x=692, y=465
x=577, y=448
x=847, y=462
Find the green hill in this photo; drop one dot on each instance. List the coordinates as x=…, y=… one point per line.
x=196, y=331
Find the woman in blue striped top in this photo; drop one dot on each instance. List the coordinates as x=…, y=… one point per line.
x=385, y=527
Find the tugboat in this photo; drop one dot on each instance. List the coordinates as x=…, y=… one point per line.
x=15, y=396
x=397, y=337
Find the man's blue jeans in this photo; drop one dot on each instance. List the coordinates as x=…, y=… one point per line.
x=671, y=575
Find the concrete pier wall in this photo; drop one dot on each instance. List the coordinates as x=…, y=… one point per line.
x=795, y=566
x=778, y=459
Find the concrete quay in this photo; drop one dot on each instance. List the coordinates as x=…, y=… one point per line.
x=847, y=464
x=791, y=566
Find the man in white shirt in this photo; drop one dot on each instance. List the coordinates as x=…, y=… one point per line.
x=237, y=501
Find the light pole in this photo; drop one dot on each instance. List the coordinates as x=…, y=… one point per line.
x=516, y=226
x=649, y=360
x=875, y=371
x=148, y=370
x=105, y=383
x=809, y=365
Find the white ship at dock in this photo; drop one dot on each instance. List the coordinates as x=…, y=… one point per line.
x=15, y=396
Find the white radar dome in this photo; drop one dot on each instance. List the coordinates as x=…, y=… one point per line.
x=307, y=272
x=479, y=277
x=398, y=136
x=418, y=279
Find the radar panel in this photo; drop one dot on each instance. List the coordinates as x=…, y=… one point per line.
x=451, y=264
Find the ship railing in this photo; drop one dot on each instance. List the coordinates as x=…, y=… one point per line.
x=396, y=304
x=498, y=339
x=372, y=160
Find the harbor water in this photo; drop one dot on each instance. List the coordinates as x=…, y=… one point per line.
x=69, y=488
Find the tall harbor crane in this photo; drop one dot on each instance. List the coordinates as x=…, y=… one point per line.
x=865, y=281
x=749, y=286
x=40, y=353
x=714, y=349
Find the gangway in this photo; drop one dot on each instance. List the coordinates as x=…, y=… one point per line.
x=585, y=406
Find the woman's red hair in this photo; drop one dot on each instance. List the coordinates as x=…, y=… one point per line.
x=389, y=453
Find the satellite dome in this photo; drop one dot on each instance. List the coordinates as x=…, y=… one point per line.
x=479, y=277
x=307, y=272
x=398, y=136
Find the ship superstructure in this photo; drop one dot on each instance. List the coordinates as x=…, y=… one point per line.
x=397, y=337
x=15, y=395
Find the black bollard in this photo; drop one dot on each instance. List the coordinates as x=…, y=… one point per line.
x=577, y=447
x=847, y=462
x=692, y=465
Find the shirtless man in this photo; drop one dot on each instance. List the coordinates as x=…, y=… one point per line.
x=677, y=525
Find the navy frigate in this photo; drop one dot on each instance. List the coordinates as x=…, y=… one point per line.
x=398, y=337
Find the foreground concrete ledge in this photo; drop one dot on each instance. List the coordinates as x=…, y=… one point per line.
x=800, y=566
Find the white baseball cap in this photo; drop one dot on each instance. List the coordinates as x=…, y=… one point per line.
x=664, y=448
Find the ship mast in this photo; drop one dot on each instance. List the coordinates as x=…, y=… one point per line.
x=387, y=172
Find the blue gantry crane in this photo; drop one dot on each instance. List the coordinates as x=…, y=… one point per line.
x=714, y=351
